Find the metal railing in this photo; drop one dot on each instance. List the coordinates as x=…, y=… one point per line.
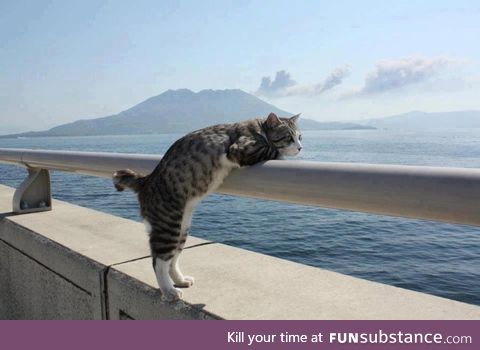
x=432, y=193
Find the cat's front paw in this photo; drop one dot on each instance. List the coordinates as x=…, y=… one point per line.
x=186, y=282
x=171, y=294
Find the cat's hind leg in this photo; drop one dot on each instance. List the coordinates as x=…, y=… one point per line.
x=164, y=240
x=175, y=273
x=165, y=283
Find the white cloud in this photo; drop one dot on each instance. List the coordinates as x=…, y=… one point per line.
x=283, y=85
x=334, y=78
x=276, y=87
x=391, y=75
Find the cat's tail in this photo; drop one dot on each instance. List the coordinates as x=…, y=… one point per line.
x=128, y=179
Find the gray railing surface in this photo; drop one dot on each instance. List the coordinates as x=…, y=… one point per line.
x=433, y=193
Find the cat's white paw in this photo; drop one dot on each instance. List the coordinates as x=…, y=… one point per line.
x=171, y=294
x=186, y=282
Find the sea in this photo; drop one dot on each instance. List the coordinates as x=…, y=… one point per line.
x=431, y=257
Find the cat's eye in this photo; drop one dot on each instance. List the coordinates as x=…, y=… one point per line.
x=300, y=137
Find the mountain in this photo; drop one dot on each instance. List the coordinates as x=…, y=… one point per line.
x=180, y=111
x=426, y=121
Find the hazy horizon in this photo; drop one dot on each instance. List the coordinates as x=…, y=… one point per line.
x=326, y=120
x=65, y=61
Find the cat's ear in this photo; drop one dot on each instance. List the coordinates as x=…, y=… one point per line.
x=273, y=121
x=294, y=119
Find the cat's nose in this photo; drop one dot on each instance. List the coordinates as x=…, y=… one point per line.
x=299, y=149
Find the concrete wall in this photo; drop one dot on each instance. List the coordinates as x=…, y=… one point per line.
x=77, y=263
x=21, y=278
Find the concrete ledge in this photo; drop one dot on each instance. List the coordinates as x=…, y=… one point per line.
x=21, y=298
x=75, y=262
x=233, y=283
x=130, y=298
x=76, y=243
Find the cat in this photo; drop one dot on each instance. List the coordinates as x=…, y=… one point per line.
x=193, y=167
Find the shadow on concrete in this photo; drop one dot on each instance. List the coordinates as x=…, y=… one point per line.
x=198, y=245
x=8, y=214
x=199, y=306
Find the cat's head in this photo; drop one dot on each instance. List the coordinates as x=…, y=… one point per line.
x=283, y=134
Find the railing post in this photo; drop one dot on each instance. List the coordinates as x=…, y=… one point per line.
x=34, y=193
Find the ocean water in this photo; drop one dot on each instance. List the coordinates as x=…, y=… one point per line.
x=431, y=257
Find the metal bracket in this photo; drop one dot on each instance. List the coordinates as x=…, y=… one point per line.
x=34, y=193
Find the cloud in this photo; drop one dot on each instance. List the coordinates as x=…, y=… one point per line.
x=283, y=85
x=276, y=87
x=334, y=78
x=391, y=75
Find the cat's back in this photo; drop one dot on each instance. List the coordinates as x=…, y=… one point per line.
x=202, y=150
x=212, y=140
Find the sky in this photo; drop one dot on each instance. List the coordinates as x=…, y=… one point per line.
x=62, y=61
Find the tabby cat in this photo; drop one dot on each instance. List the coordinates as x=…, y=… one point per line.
x=194, y=166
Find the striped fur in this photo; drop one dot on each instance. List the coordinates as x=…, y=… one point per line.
x=194, y=166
